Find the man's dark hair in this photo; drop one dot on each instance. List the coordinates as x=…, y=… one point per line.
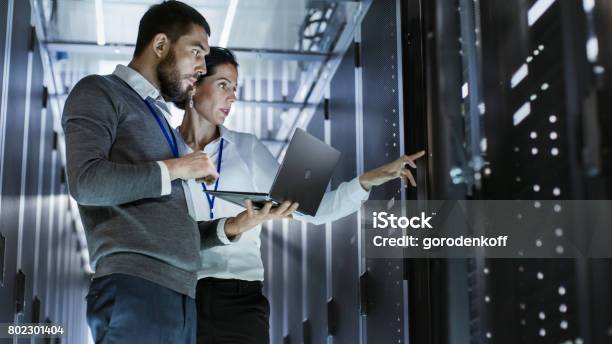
x=172, y=18
x=216, y=57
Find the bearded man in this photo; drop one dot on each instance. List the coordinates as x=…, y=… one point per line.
x=125, y=173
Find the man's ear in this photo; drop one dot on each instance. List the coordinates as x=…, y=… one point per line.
x=161, y=45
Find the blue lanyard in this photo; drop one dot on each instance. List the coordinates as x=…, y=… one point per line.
x=209, y=198
x=169, y=136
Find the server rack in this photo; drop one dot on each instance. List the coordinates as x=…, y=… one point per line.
x=41, y=266
x=517, y=88
x=347, y=298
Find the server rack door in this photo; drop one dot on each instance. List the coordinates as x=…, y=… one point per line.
x=61, y=205
x=12, y=151
x=56, y=210
x=528, y=82
x=603, y=29
x=4, y=298
x=4, y=15
x=275, y=281
x=543, y=148
x=40, y=226
x=44, y=202
x=265, y=257
x=57, y=255
x=345, y=258
x=29, y=164
x=293, y=285
x=600, y=279
x=384, y=284
x=66, y=253
x=267, y=263
x=316, y=282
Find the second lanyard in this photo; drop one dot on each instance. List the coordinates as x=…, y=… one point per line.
x=209, y=198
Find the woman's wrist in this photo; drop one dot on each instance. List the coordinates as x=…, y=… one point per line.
x=365, y=182
x=232, y=229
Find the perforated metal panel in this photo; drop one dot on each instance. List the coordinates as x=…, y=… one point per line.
x=382, y=123
x=12, y=154
x=316, y=282
x=315, y=287
x=294, y=281
x=275, y=280
x=58, y=210
x=345, y=259
x=30, y=183
x=46, y=215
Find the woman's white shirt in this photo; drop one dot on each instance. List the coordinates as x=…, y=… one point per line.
x=247, y=165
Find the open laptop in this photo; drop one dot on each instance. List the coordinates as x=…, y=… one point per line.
x=302, y=177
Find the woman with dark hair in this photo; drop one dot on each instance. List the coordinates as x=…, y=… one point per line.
x=230, y=304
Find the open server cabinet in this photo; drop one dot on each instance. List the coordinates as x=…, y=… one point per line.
x=512, y=101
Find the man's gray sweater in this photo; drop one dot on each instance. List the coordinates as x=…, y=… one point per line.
x=112, y=145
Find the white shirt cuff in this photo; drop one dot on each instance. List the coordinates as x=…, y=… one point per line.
x=356, y=191
x=221, y=233
x=166, y=183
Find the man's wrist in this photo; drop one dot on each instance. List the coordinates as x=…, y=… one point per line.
x=166, y=181
x=171, y=167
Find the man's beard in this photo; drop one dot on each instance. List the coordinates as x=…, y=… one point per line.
x=170, y=79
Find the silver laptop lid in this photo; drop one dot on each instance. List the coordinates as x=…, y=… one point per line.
x=306, y=170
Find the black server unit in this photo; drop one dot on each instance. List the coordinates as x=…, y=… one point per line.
x=515, y=110
x=553, y=154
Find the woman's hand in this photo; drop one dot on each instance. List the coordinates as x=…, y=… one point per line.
x=390, y=171
x=250, y=217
